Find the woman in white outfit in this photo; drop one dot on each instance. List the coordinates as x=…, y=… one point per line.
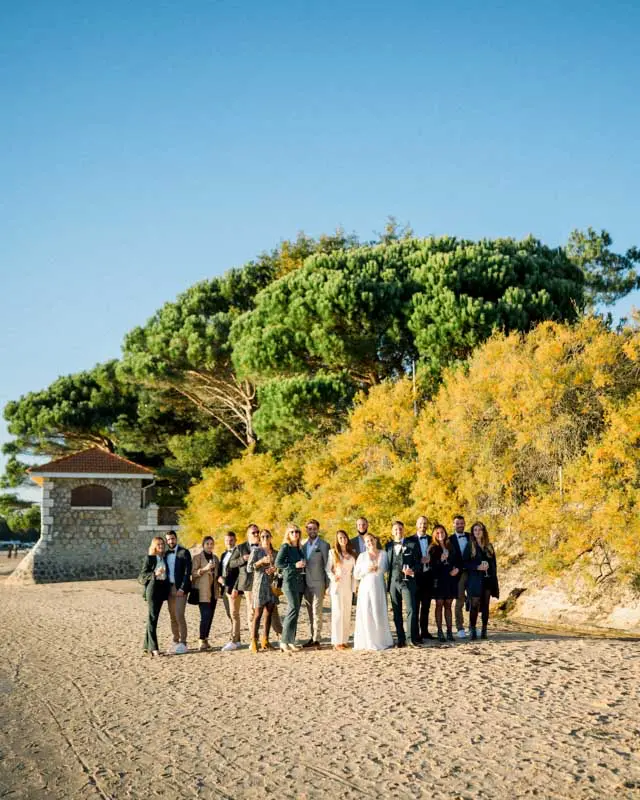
x=372, y=619
x=340, y=566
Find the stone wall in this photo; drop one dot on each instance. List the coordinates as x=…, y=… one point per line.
x=89, y=544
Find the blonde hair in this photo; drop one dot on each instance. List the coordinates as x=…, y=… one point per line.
x=291, y=528
x=153, y=547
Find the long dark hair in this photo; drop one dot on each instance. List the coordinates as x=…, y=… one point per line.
x=337, y=552
x=486, y=544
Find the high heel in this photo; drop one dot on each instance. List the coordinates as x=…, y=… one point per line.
x=254, y=646
x=264, y=644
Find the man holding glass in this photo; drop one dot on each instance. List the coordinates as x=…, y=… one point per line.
x=316, y=554
x=404, y=560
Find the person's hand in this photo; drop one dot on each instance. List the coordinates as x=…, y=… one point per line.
x=408, y=572
x=234, y=593
x=245, y=557
x=179, y=593
x=373, y=567
x=301, y=564
x=454, y=572
x=444, y=557
x=425, y=559
x=484, y=566
x=221, y=581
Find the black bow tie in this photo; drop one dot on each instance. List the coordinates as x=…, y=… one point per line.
x=171, y=551
x=423, y=537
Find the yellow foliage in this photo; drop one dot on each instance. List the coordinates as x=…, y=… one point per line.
x=537, y=434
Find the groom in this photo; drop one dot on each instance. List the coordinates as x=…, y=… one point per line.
x=404, y=559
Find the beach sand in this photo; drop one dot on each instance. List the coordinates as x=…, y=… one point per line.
x=83, y=714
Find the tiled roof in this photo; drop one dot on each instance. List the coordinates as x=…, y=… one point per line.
x=94, y=460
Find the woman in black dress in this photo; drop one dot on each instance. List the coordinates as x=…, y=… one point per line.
x=483, y=577
x=445, y=581
x=155, y=579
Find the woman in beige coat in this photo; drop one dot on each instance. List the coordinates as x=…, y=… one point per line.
x=205, y=569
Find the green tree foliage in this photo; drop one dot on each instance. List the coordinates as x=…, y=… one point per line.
x=19, y=519
x=608, y=276
x=185, y=346
x=365, y=314
x=96, y=408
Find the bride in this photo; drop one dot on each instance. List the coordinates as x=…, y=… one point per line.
x=372, y=620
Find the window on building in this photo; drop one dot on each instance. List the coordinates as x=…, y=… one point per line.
x=91, y=496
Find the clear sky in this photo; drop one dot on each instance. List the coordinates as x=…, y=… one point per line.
x=147, y=145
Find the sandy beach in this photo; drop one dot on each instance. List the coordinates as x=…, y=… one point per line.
x=83, y=714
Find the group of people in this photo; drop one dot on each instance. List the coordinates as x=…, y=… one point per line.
x=417, y=571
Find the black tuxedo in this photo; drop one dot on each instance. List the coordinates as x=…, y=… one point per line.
x=456, y=557
x=182, y=568
x=424, y=593
x=402, y=591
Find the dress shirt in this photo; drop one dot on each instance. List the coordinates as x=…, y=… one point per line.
x=424, y=546
x=171, y=565
x=462, y=541
x=225, y=561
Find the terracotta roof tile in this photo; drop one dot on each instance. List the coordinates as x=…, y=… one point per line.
x=94, y=460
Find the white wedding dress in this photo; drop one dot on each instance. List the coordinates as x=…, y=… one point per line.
x=372, y=619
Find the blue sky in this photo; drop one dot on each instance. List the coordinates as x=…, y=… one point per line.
x=145, y=146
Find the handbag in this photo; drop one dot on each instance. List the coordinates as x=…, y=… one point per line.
x=194, y=596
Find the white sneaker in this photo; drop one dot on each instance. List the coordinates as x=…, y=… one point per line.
x=461, y=634
x=231, y=646
x=172, y=648
x=181, y=648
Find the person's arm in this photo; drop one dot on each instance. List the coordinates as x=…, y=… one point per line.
x=147, y=571
x=196, y=569
x=237, y=558
x=186, y=578
x=360, y=569
x=282, y=559
x=330, y=567
x=254, y=563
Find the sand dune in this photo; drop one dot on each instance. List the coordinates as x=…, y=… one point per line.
x=84, y=714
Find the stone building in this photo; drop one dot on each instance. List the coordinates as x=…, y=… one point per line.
x=96, y=522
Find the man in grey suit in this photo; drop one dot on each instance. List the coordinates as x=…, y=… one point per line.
x=316, y=554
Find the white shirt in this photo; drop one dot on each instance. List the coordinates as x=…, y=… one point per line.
x=171, y=566
x=462, y=541
x=225, y=559
x=424, y=546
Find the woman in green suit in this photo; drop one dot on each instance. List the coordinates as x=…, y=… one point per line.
x=290, y=561
x=155, y=579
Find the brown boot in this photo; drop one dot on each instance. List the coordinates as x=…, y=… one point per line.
x=254, y=646
x=204, y=644
x=264, y=644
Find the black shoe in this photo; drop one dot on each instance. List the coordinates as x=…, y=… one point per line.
x=441, y=637
x=401, y=644
x=310, y=643
x=483, y=634
x=474, y=634
x=450, y=636
x=417, y=643
x=428, y=636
